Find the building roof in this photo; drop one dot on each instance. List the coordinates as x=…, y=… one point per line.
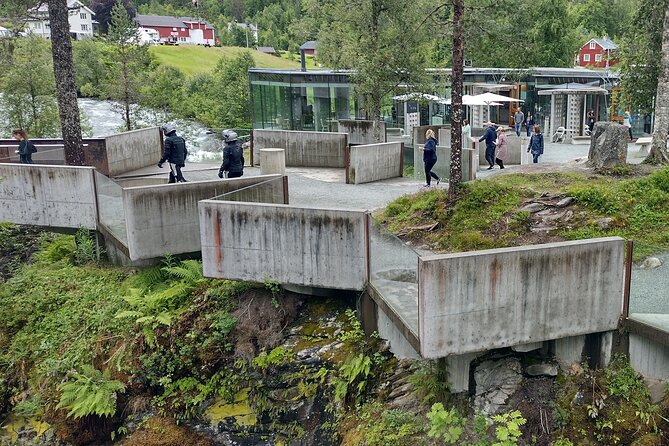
x=266, y=49
x=43, y=7
x=605, y=43
x=167, y=21
x=310, y=45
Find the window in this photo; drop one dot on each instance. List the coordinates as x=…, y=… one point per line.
x=183, y=29
x=174, y=29
x=592, y=45
x=183, y=39
x=586, y=58
x=84, y=27
x=47, y=26
x=83, y=16
x=598, y=57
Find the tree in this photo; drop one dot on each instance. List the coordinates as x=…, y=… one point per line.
x=378, y=39
x=103, y=11
x=457, y=80
x=658, y=152
x=128, y=60
x=66, y=90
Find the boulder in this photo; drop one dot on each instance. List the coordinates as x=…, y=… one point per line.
x=651, y=263
x=608, y=145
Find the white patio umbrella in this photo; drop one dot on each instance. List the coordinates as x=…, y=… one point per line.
x=491, y=98
x=471, y=100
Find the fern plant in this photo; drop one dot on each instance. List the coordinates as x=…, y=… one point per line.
x=355, y=368
x=91, y=392
x=153, y=308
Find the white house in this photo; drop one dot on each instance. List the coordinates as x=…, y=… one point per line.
x=81, y=21
x=4, y=32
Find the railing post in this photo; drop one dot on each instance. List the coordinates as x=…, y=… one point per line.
x=628, y=278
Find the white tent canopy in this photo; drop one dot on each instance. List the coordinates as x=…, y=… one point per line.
x=471, y=100
x=573, y=88
x=418, y=97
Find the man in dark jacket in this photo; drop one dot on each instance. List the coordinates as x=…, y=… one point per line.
x=174, y=153
x=233, y=156
x=489, y=137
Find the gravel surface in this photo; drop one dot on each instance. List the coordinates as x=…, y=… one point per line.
x=649, y=289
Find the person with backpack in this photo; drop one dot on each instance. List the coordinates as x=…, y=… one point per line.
x=233, y=156
x=174, y=153
x=536, y=145
x=26, y=147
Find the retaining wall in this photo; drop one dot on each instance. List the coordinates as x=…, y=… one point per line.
x=51, y=196
x=361, y=132
x=470, y=302
x=303, y=149
x=133, y=150
x=374, y=162
x=163, y=219
x=322, y=248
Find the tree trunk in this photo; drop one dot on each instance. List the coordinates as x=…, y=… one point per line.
x=658, y=151
x=457, y=76
x=63, y=69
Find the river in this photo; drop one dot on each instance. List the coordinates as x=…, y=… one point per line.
x=104, y=118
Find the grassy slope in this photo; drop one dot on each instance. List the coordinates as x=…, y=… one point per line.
x=197, y=59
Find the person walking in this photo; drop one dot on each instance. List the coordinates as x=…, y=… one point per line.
x=174, y=153
x=529, y=123
x=489, y=137
x=591, y=120
x=233, y=156
x=518, y=119
x=536, y=145
x=502, y=147
x=430, y=157
x=26, y=147
x=627, y=122
x=466, y=134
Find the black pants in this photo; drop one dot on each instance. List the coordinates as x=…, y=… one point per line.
x=235, y=174
x=535, y=157
x=428, y=171
x=500, y=163
x=490, y=155
x=629, y=129
x=26, y=159
x=175, y=174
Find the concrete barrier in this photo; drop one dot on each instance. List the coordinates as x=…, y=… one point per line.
x=476, y=301
x=361, y=132
x=443, y=166
x=129, y=151
x=374, y=162
x=322, y=248
x=50, y=196
x=515, y=144
x=272, y=161
x=50, y=152
x=303, y=149
x=163, y=219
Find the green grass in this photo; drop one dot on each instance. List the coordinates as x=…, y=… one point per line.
x=191, y=59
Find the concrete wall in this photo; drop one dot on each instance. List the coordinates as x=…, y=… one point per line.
x=475, y=301
x=133, y=150
x=516, y=145
x=374, y=162
x=52, y=196
x=443, y=165
x=303, y=149
x=164, y=219
x=419, y=134
x=361, y=132
x=648, y=357
x=302, y=246
x=50, y=151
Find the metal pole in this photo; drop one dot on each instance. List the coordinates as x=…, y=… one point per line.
x=628, y=279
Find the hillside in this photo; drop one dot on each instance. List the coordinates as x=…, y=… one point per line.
x=192, y=59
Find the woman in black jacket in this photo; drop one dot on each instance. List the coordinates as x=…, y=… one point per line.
x=430, y=157
x=26, y=148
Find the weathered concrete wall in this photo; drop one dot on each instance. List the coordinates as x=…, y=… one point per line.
x=648, y=357
x=50, y=151
x=374, y=162
x=52, y=196
x=443, y=165
x=163, y=219
x=419, y=134
x=399, y=345
x=475, y=301
x=515, y=155
x=303, y=149
x=302, y=246
x=361, y=132
x=133, y=150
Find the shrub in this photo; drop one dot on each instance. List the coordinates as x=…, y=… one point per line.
x=91, y=392
x=596, y=198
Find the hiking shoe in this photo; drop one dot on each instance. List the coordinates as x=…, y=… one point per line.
x=426, y=185
x=438, y=181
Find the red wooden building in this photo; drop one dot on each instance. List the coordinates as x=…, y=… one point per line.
x=186, y=30
x=599, y=53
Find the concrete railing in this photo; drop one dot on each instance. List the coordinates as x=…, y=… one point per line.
x=360, y=131
x=50, y=196
x=164, y=219
x=477, y=301
x=323, y=248
x=303, y=149
x=133, y=150
x=374, y=162
x=50, y=152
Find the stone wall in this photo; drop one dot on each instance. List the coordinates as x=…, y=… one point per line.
x=133, y=150
x=361, y=132
x=322, y=248
x=164, y=219
x=374, y=162
x=50, y=196
x=475, y=301
x=303, y=149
